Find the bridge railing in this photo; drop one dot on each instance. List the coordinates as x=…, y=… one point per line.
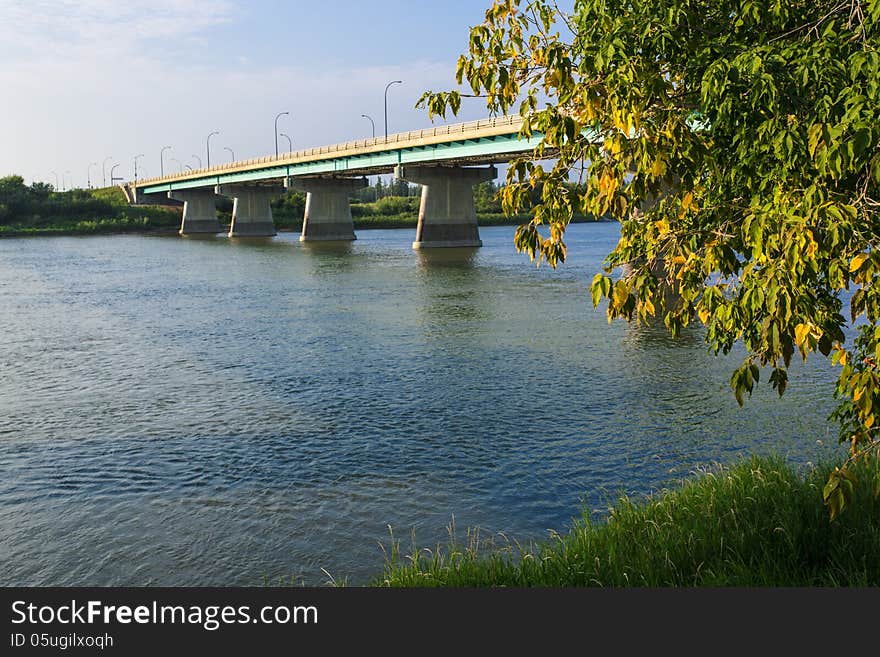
x=398, y=140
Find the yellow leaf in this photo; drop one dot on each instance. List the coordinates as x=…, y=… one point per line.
x=704, y=315
x=662, y=226
x=812, y=247
x=687, y=201
x=679, y=260
x=801, y=331
x=648, y=306
x=869, y=421
x=857, y=262
x=659, y=167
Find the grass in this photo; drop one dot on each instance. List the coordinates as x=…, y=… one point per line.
x=759, y=523
x=139, y=219
x=86, y=212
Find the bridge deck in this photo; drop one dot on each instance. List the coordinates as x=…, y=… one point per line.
x=475, y=142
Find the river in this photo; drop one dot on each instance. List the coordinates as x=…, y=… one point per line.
x=221, y=412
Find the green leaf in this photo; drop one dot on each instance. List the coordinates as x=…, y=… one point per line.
x=596, y=289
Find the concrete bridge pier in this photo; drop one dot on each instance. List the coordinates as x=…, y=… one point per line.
x=199, y=211
x=447, y=217
x=251, y=209
x=328, y=210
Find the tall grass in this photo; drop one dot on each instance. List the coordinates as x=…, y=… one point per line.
x=113, y=195
x=757, y=524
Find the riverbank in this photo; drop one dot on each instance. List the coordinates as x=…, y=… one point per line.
x=759, y=523
x=38, y=209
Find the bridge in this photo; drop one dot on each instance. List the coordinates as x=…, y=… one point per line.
x=444, y=160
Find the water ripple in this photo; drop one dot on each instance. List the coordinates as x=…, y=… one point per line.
x=181, y=412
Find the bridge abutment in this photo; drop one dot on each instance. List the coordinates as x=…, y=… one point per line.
x=447, y=216
x=251, y=209
x=328, y=208
x=199, y=211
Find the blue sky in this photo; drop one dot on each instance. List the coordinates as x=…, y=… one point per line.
x=84, y=80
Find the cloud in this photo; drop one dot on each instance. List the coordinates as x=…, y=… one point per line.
x=41, y=30
x=93, y=78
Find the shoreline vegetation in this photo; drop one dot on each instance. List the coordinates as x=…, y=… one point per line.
x=758, y=523
x=39, y=210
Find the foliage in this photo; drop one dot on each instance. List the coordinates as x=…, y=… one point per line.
x=34, y=208
x=757, y=524
x=486, y=197
x=113, y=195
x=291, y=205
x=386, y=206
x=737, y=143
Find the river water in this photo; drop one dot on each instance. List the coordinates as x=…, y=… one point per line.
x=220, y=412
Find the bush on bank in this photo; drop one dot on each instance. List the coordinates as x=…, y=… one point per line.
x=759, y=523
x=39, y=209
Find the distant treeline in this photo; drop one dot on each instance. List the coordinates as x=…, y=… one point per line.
x=38, y=208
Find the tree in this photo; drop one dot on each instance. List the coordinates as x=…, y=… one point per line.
x=485, y=197
x=738, y=142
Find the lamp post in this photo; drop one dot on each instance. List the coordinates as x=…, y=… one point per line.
x=162, y=160
x=372, y=123
x=208, y=146
x=198, y=159
x=63, y=182
x=136, y=167
x=188, y=167
x=57, y=186
x=179, y=164
x=89, y=173
x=386, y=103
x=231, y=153
x=104, y=170
x=112, y=177
x=276, y=130
x=289, y=142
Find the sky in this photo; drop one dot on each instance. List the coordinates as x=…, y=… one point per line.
x=86, y=83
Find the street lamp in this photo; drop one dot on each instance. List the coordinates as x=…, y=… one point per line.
x=57, y=186
x=289, y=142
x=208, y=146
x=104, y=171
x=231, y=154
x=63, y=182
x=179, y=164
x=386, y=103
x=198, y=159
x=372, y=123
x=136, y=167
x=276, y=130
x=89, y=173
x=112, y=177
x=162, y=160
